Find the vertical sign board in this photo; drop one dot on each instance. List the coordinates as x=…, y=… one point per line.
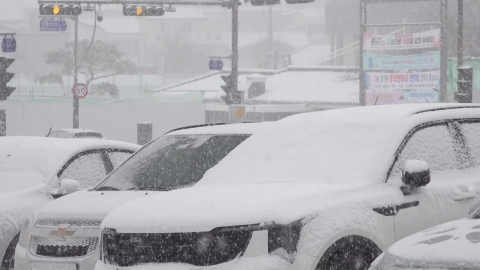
x=401, y=78
x=3, y=123
x=9, y=44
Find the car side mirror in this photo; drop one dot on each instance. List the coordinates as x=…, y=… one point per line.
x=68, y=186
x=416, y=174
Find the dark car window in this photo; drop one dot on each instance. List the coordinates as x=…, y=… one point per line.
x=172, y=162
x=88, y=135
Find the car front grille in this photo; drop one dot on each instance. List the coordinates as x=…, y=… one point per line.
x=68, y=248
x=46, y=223
x=200, y=249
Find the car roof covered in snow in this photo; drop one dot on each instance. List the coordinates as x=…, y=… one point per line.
x=219, y=129
x=452, y=245
x=330, y=147
x=26, y=161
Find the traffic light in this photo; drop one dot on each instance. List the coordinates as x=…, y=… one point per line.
x=465, y=85
x=5, y=77
x=129, y=10
x=57, y=9
x=231, y=97
x=265, y=2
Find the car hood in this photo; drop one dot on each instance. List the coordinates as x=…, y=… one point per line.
x=93, y=205
x=204, y=208
x=452, y=245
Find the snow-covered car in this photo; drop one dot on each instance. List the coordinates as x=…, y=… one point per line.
x=325, y=190
x=35, y=170
x=452, y=245
x=76, y=133
x=65, y=233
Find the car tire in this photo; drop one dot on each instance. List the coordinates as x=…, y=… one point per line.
x=8, y=262
x=351, y=252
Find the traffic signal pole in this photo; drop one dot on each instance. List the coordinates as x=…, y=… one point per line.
x=76, y=107
x=234, y=45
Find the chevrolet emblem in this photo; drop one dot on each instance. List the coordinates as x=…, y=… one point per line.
x=62, y=232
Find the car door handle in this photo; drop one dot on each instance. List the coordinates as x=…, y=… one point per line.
x=465, y=196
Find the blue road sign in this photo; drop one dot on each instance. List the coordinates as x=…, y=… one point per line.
x=9, y=44
x=53, y=25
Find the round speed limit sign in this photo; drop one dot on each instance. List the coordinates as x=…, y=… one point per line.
x=80, y=91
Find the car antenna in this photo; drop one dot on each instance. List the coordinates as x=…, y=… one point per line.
x=49, y=132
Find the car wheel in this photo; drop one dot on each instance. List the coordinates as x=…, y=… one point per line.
x=352, y=252
x=8, y=261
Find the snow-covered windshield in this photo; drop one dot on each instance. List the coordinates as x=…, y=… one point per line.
x=171, y=162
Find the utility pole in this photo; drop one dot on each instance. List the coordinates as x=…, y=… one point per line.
x=460, y=33
x=270, y=29
x=234, y=74
x=76, y=107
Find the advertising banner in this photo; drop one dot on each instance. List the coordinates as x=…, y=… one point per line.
x=398, y=97
x=427, y=39
x=429, y=80
x=429, y=60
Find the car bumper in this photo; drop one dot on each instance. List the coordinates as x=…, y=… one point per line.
x=23, y=260
x=267, y=262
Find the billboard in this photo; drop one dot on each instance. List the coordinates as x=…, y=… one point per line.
x=382, y=81
x=429, y=60
x=421, y=40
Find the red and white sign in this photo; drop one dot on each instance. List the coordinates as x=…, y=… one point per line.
x=427, y=39
x=80, y=91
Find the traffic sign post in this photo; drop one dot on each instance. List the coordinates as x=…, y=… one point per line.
x=53, y=25
x=80, y=90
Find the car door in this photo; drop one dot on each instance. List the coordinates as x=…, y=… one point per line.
x=437, y=143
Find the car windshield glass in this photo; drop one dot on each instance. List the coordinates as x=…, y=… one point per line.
x=171, y=162
x=88, y=135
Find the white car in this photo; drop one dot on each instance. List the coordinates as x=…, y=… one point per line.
x=326, y=190
x=76, y=133
x=452, y=245
x=34, y=170
x=65, y=234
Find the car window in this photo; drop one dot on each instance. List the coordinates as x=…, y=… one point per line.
x=471, y=135
x=87, y=168
x=117, y=157
x=89, y=135
x=172, y=162
x=435, y=145
x=53, y=134
x=63, y=134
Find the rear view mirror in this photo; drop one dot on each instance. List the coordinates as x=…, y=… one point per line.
x=415, y=174
x=68, y=186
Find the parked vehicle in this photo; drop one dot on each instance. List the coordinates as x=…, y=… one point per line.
x=65, y=234
x=326, y=190
x=452, y=245
x=35, y=170
x=75, y=133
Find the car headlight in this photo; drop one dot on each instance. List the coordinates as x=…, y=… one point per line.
x=25, y=232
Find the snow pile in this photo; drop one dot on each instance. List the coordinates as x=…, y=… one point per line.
x=415, y=166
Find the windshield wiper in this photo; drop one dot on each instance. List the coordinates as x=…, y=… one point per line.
x=107, y=188
x=149, y=188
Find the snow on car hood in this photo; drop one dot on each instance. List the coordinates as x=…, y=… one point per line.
x=87, y=204
x=204, y=208
x=451, y=245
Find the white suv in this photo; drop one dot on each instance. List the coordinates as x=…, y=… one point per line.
x=326, y=190
x=64, y=234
